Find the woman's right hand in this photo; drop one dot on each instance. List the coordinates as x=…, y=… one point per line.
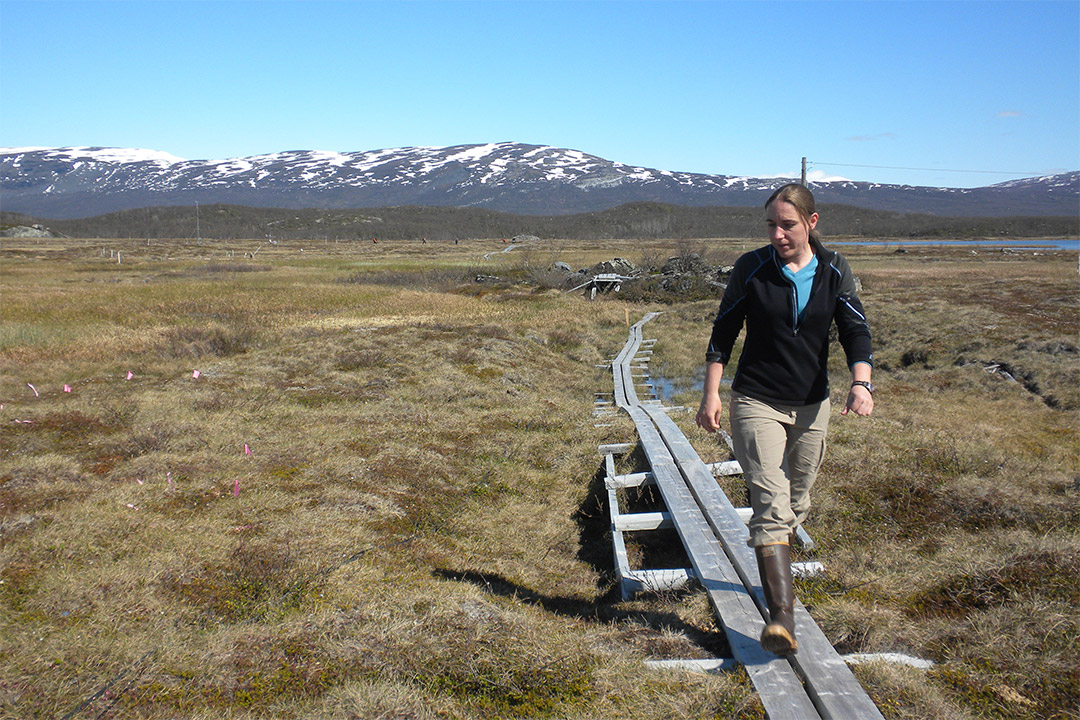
x=708, y=415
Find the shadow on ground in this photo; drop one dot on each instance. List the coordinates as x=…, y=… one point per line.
x=595, y=549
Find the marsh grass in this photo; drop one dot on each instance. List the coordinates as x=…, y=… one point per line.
x=419, y=529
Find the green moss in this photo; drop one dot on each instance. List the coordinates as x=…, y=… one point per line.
x=1053, y=574
x=509, y=691
x=484, y=373
x=258, y=582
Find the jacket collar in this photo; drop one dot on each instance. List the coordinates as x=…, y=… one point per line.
x=824, y=254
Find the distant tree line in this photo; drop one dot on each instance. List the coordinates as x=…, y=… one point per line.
x=634, y=220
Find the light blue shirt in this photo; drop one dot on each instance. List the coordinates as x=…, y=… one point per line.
x=804, y=282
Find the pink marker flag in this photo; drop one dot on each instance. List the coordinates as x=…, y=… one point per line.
x=34, y=389
x=236, y=488
x=168, y=478
x=67, y=388
x=130, y=375
x=195, y=374
x=247, y=450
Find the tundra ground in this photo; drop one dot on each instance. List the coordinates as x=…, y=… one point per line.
x=380, y=495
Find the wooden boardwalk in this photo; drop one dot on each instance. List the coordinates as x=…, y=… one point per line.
x=814, y=683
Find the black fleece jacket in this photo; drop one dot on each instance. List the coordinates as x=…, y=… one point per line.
x=784, y=358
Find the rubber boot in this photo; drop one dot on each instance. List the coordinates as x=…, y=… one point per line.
x=774, y=566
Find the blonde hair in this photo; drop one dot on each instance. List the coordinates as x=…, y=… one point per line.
x=800, y=198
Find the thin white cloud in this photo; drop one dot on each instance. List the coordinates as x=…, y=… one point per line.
x=871, y=138
x=1009, y=113
x=818, y=176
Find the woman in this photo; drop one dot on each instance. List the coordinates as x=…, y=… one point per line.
x=787, y=294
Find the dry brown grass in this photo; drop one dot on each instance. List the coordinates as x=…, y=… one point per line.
x=419, y=530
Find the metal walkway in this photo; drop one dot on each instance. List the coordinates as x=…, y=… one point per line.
x=815, y=683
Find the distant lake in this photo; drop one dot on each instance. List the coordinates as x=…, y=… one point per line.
x=1048, y=243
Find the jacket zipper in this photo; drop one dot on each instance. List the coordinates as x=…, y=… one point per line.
x=794, y=296
x=794, y=308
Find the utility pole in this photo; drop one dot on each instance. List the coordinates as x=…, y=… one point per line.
x=198, y=227
x=804, y=172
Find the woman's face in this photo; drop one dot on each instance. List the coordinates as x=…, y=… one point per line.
x=789, y=233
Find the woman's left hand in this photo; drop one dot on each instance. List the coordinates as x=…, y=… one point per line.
x=859, y=401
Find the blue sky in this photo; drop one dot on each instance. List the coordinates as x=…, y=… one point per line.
x=734, y=88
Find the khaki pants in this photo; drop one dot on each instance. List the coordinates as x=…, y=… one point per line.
x=780, y=449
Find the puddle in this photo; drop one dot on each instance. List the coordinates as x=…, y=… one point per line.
x=668, y=388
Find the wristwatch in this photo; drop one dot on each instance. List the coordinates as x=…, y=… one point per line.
x=866, y=384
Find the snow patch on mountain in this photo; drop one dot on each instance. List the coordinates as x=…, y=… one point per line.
x=507, y=176
x=98, y=154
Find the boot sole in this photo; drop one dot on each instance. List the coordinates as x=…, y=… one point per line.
x=777, y=640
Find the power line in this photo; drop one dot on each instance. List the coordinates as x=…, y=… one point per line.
x=898, y=167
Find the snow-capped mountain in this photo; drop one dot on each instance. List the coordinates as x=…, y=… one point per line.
x=511, y=177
